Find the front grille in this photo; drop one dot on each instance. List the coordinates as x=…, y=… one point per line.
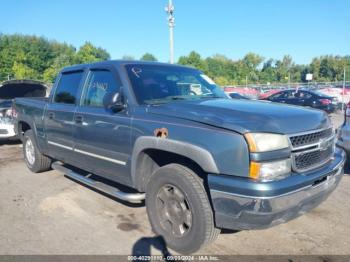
x=3, y=132
x=312, y=150
x=312, y=159
x=311, y=138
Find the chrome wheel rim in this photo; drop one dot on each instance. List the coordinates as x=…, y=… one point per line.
x=30, y=151
x=173, y=211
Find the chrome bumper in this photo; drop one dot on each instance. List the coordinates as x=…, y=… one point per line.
x=239, y=211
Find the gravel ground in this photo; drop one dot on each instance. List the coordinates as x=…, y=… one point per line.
x=50, y=214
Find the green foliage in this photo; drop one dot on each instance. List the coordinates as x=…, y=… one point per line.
x=89, y=53
x=148, y=57
x=194, y=59
x=254, y=69
x=128, y=57
x=32, y=57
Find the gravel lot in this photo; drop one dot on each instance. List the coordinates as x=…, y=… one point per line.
x=50, y=214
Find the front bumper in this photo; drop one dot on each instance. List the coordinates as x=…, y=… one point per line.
x=241, y=203
x=7, y=131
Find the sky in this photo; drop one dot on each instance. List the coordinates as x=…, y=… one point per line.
x=272, y=28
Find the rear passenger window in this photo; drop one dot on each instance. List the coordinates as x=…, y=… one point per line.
x=68, y=86
x=100, y=84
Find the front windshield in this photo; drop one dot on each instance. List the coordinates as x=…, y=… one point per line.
x=157, y=84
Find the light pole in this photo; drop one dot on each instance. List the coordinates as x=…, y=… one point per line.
x=171, y=22
x=289, y=80
x=342, y=107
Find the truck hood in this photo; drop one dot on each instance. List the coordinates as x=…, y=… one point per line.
x=21, y=88
x=244, y=116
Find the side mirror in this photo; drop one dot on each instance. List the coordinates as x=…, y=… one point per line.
x=115, y=101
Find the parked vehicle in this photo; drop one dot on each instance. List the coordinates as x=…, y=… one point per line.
x=201, y=161
x=266, y=94
x=235, y=95
x=251, y=93
x=301, y=97
x=344, y=132
x=10, y=90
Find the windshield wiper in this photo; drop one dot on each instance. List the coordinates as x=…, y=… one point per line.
x=176, y=97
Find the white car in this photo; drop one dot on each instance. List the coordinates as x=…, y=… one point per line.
x=10, y=90
x=7, y=130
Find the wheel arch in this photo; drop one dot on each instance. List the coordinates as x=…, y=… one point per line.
x=151, y=153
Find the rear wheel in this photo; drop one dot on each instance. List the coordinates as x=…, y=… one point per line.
x=35, y=161
x=179, y=209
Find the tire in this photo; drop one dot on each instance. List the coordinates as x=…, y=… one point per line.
x=186, y=225
x=35, y=161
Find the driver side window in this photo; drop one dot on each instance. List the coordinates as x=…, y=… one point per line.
x=101, y=83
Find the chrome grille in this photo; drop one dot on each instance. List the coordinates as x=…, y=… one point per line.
x=310, y=138
x=312, y=150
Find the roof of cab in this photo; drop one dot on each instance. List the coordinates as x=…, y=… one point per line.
x=117, y=63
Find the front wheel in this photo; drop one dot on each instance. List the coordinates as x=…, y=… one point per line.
x=35, y=161
x=179, y=210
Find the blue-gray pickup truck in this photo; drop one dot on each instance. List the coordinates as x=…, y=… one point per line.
x=168, y=135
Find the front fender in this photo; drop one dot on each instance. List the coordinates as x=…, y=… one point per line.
x=197, y=154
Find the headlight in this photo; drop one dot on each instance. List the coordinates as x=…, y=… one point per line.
x=269, y=171
x=8, y=112
x=263, y=142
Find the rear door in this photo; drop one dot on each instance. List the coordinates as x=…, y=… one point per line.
x=59, y=115
x=280, y=97
x=102, y=137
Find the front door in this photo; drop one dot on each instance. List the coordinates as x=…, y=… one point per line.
x=102, y=137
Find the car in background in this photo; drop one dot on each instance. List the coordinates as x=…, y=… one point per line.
x=301, y=97
x=10, y=90
x=344, y=132
x=268, y=93
x=235, y=95
x=249, y=92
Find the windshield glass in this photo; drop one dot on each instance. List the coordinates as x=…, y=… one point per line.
x=156, y=84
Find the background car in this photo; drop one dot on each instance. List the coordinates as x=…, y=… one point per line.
x=267, y=93
x=10, y=90
x=305, y=98
x=235, y=95
x=344, y=133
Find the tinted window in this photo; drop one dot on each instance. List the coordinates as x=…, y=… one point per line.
x=101, y=83
x=303, y=95
x=278, y=95
x=67, y=89
x=154, y=84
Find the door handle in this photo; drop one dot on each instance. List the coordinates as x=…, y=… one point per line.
x=51, y=115
x=79, y=119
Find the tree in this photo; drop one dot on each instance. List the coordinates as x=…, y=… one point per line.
x=22, y=71
x=128, y=57
x=148, y=57
x=59, y=62
x=194, y=60
x=89, y=53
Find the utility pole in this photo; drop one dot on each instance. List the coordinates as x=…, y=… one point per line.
x=171, y=22
x=246, y=81
x=343, y=93
x=289, y=80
